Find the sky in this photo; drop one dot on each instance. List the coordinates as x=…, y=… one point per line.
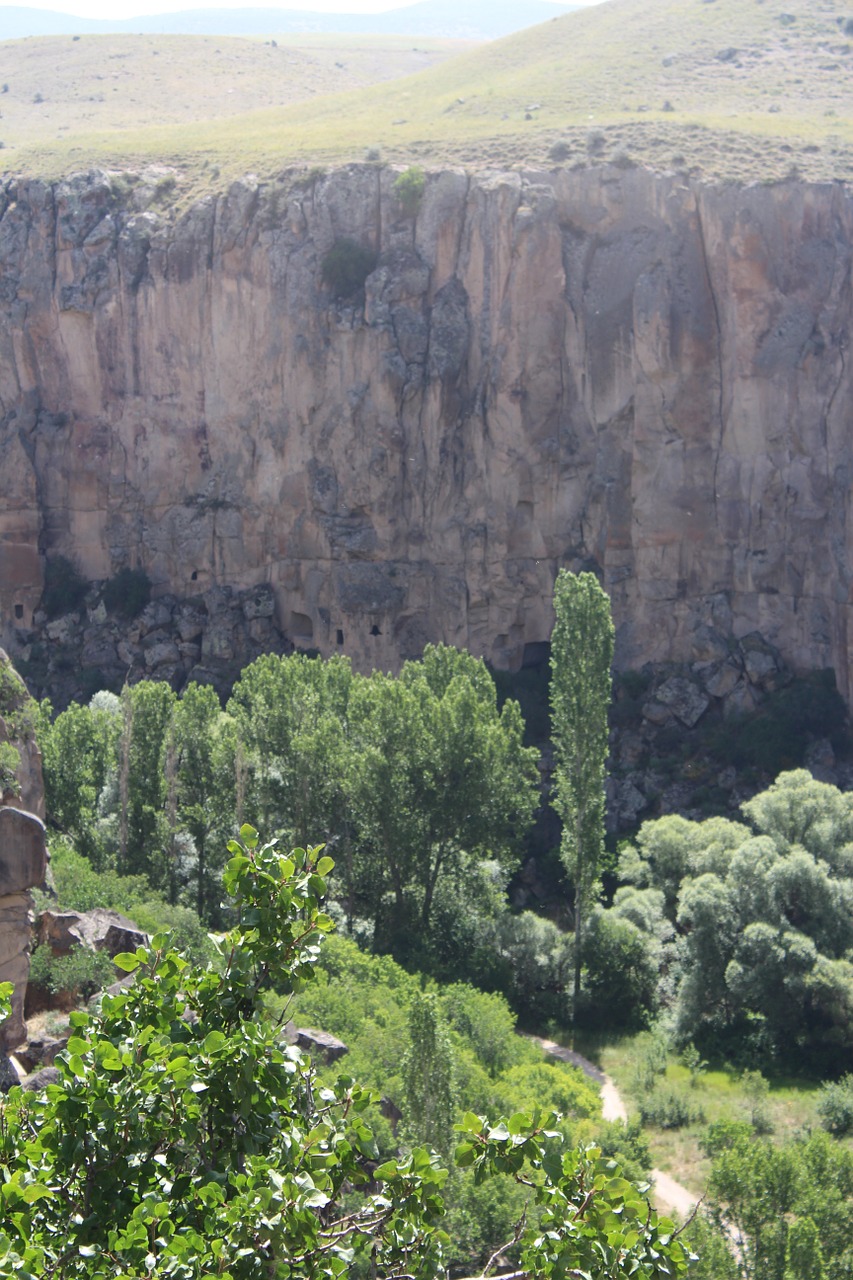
x=134, y=8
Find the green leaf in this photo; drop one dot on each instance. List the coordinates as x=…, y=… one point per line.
x=325, y=865
x=126, y=960
x=470, y=1123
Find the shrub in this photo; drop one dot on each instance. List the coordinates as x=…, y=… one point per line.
x=668, y=1109
x=409, y=189
x=77, y=975
x=692, y=1059
x=346, y=267
x=756, y=1088
x=775, y=736
x=835, y=1105
x=560, y=150
x=185, y=929
x=650, y=1064
x=10, y=758
x=128, y=592
x=79, y=887
x=64, y=587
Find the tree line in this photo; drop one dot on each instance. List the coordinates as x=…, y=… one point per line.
x=414, y=782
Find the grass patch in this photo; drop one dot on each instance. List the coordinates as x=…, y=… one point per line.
x=651, y=80
x=721, y=1093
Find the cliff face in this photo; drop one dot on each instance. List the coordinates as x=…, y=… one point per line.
x=599, y=368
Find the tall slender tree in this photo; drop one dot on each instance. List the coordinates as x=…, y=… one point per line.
x=581, y=657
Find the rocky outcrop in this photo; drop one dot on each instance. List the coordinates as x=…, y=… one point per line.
x=205, y=638
x=23, y=862
x=599, y=368
x=98, y=930
x=23, y=853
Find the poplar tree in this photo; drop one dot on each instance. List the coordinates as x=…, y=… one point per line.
x=581, y=656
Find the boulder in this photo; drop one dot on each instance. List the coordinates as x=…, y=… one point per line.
x=686, y=702
x=8, y=1074
x=320, y=1044
x=23, y=853
x=41, y=1079
x=99, y=930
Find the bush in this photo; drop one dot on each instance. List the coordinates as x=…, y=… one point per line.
x=668, y=1109
x=756, y=1088
x=835, y=1105
x=77, y=975
x=10, y=758
x=409, y=189
x=79, y=887
x=650, y=1064
x=128, y=592
x=621, y=974
x=775, y=736
x=346, y=267
x=64, y=587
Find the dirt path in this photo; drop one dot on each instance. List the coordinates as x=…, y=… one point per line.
x=669, y=1195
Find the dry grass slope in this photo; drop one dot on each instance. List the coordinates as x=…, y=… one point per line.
x=732, y=89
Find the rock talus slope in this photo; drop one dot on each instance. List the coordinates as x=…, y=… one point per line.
x=600, y=368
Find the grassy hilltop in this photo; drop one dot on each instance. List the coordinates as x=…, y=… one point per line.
x=733, y=89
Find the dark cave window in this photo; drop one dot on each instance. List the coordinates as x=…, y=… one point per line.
x=374, y=630
x=339, y=636
x=19, y=611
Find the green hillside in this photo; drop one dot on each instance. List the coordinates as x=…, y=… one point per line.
x=739, y=89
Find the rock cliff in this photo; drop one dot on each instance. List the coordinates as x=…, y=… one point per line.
x=23, y=856
x=595, y=368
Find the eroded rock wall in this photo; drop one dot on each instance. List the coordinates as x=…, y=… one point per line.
x=601, y=368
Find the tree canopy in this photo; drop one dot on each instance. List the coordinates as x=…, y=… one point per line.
x=581, y=657
x=757, y=923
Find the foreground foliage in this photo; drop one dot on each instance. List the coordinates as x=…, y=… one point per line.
x=185, y=1141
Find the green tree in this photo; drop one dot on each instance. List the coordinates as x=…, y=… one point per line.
x=620, y=972
x=409, y=189
x=476, y=783
x=440, y=783
x=79, y=752
x=428, y=1075
x=788, y=1209
x=145, y=847
x=581, y=658
x=184, y=1141
x=291, y=716
x=204, y=743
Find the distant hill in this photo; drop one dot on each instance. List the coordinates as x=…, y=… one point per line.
x=731, y=90
x=448, y=19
